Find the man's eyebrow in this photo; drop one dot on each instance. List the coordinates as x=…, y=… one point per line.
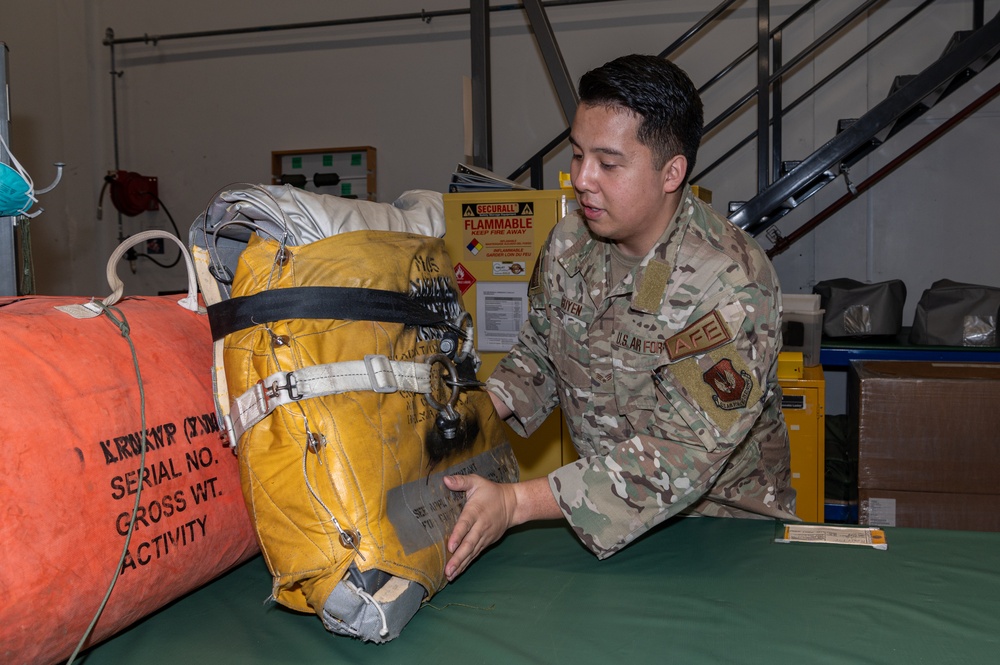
x=605, y=151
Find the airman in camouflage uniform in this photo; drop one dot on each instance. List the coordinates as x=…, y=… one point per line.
x=654, y=325
x=667, y=380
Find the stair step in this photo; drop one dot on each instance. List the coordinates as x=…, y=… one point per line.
x=845, y=123
x=853, y=158
x=772, y=216
x=956, y=39
x=899, y=82
x=786, y=167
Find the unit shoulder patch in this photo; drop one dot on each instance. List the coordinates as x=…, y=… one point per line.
x=731, y=387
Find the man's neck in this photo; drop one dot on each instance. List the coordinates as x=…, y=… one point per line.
x=641, y=245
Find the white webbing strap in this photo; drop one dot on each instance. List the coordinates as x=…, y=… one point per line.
x=376, y=373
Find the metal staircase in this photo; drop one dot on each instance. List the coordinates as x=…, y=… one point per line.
x=966, y=54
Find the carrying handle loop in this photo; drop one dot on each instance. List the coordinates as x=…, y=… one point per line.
x=190, y=301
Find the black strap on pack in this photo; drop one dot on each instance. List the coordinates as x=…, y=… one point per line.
x=319, y=302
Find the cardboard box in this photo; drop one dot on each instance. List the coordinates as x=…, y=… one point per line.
x=926, y=427
x=930, y=510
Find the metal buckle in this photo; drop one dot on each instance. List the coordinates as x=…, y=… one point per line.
x=290, y=386
x=227, y=422
x=379, y=367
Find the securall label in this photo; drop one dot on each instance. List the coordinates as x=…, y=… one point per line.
x=499, y=231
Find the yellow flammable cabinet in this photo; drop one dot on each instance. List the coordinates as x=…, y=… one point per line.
x=803, y=405
x=493, y=239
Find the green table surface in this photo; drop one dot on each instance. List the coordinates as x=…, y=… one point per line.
x=695, y=591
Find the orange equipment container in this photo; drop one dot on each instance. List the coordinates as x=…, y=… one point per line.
x=70, y=471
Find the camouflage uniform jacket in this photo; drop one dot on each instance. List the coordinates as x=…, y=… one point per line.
x=668, y=380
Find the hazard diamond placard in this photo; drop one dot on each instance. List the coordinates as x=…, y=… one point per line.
x=463, y=277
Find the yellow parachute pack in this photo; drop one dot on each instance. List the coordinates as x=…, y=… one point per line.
x=345, y=376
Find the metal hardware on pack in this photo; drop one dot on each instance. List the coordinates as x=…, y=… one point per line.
x=447, y=423
x=290, y=386
x=380, y=373
x=445, y=361
x=448, y=345
x=466, y=374
x=465, y=329
x=283, y=256
x=278, y=340
x=314, y=441
x=350, y=539
x=227, y=423
x=221, y=273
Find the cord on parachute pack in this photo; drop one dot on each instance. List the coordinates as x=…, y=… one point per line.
x=345, y=375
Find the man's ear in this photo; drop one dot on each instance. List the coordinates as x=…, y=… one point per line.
x=673, y=173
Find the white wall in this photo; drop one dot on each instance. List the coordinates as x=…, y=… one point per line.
x=202, y=113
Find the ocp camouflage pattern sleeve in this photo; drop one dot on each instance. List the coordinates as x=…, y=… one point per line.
x=525, y=379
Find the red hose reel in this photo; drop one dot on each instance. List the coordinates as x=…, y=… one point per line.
x=132, y=193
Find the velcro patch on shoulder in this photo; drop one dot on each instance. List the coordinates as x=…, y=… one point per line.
x=535, y=286
x=721, y=384
x=652, y=287
x=709, y=332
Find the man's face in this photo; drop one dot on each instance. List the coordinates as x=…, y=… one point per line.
x=623, y=197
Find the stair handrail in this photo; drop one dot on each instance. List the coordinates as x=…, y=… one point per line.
x=536, y=161
x=779, y=113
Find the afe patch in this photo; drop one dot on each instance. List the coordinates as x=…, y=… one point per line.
x=731, y=387
x=705, y=334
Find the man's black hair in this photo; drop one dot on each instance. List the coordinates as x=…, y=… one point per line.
x=660, y=93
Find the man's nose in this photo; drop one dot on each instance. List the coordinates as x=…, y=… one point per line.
x=583, y=175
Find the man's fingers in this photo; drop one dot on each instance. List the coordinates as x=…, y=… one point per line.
x=458, y=534
x=454, y=483
x=481, y=522
x=459, y=483
x=467, y=550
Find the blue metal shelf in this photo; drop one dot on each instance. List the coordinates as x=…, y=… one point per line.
x=840, y=353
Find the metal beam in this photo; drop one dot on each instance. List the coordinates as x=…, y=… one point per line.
x=423, y=15
x=552, y=56
x=482, y=101
x=763, y=105
x=8, y=269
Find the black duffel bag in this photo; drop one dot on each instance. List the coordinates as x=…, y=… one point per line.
x=956, y=314
x=856, y=309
